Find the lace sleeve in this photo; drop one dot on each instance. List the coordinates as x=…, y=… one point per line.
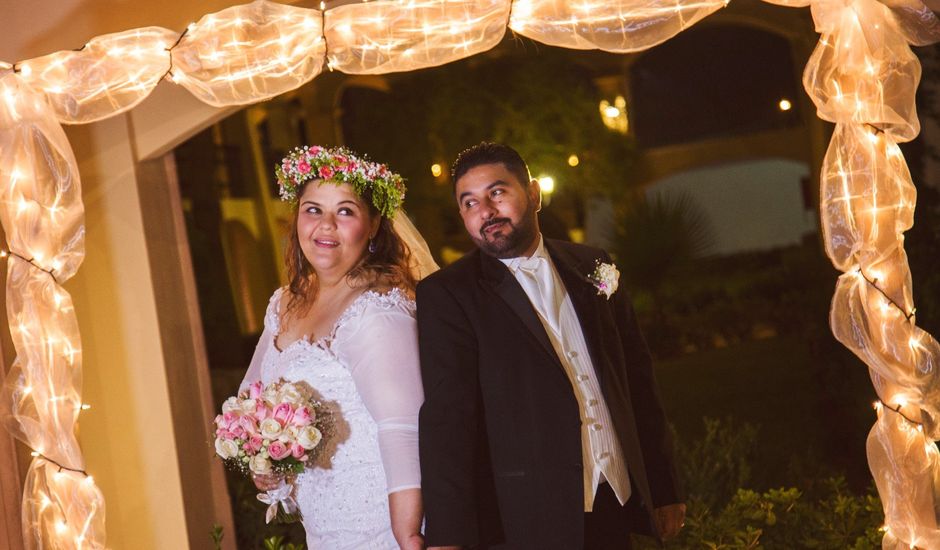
x=265, y=343
x=382, y=355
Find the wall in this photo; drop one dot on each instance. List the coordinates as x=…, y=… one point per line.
x=753, y=205
x=159, y=485
x=161, y=489
x=127, y=436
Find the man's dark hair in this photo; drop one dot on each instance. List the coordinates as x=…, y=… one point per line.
x=488, y=152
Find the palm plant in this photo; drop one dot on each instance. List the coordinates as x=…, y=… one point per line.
x=656, y=236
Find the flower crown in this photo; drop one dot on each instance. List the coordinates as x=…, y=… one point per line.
x=340, y=165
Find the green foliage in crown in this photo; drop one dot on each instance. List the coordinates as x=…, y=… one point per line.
x=339, y=165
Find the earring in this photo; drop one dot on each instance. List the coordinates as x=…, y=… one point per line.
x=372, y=246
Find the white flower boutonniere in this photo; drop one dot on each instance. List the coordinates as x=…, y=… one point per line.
x=605, y=278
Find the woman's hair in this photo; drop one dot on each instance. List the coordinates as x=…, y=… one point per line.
x=388, y=266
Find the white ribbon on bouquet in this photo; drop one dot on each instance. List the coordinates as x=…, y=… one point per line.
x=279, y=495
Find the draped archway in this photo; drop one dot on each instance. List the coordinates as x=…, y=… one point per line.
x=862, y=76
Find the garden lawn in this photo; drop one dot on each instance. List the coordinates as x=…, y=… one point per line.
x=775, y=385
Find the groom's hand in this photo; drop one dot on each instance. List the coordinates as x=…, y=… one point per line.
x=669, y=520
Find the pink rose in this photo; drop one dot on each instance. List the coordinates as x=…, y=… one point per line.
x=249, y=424
x=326, y=172
x=316, y=149
x=254, y=444
x=225, y=434
x=303, y=167
x=238, y=431
x=278, y=450
x=283, y=413
x=254, y=390
x=227, y=420
x=298, y=452
x=302, y=417
x=262, y=411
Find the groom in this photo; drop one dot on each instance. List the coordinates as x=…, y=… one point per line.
x=541, y=427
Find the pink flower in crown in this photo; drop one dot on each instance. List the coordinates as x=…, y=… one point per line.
x=382, y=170
x=254, y=390
x=302, y=417
x=316, y=150
x=341, y=159
x=283, y=413
x=326, y=172
x=278, y=450
x=303, y=167
x=298, y=452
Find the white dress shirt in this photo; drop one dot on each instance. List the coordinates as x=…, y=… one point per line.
x=603, y=457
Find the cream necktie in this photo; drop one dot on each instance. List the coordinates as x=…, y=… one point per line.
x=537, y=276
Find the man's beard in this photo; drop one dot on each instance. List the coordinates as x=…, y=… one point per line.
x=512, y=240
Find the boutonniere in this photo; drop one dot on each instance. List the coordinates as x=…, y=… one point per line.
x=605, y=278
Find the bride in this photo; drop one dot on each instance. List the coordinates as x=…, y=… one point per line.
x=345, y=325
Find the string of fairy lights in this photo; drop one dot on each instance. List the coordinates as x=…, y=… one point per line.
x=862, y=77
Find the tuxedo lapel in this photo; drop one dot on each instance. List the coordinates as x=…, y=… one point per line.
x=573, y=273
x=499, y=279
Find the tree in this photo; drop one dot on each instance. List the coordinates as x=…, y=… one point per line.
x=543, y=103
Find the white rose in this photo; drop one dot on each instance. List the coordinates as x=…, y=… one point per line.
x=289, y=434
x=606, y=279
x=259, y=465
x=269, y=394
x=309, y=437
x=226, y=448
x=230, y=404
x=270, y=428
x=248, y=406
x=290, y=394
x=614, y=278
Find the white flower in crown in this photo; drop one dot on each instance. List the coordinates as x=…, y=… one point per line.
x=605, y=278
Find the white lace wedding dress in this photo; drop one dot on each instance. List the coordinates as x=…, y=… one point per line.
x=367, y=373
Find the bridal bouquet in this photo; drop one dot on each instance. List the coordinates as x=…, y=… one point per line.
x=274, y=429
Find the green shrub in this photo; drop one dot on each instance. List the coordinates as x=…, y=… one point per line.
x=725, y=515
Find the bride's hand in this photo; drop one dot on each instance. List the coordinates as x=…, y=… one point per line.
x=413, y=542
x=267, y=482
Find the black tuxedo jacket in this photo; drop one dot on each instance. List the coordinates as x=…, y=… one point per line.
x=500, y=430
